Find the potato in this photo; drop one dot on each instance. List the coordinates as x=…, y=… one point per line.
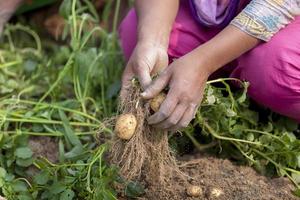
x=157, y=101
x=125, y=126
x=215, y=193
x=194, y=191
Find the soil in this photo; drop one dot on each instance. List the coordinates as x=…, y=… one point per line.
x=44, y=147
x=220, y=179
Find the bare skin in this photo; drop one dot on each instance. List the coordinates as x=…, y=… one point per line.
x=7, y=9
x=187, y=76
x=150, y=54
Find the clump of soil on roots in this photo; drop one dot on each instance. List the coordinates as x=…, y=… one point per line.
x=148, y=159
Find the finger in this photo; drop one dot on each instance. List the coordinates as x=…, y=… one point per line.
x=165, y=110
x=186, y=118
x=158, y=85
x=161, y=64
x=174, y=117
x=144, y=77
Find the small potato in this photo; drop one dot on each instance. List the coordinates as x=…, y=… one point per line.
x=125, y=126
x=157, y=101
x=194, y=191
x=215, y=193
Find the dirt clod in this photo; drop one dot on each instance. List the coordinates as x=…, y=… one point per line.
x=44, y=147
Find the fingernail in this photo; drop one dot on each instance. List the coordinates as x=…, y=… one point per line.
x=143, y=94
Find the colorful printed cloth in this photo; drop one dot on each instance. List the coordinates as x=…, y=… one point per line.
x=261, y=18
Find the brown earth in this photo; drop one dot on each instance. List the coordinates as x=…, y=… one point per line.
x=44, y=147
x=220, y=179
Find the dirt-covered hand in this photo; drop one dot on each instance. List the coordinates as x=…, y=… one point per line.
x=147, y=59
x=186, y=80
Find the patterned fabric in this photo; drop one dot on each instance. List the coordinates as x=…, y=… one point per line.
x=263, y=18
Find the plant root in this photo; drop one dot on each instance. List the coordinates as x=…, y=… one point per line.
x=146, y=157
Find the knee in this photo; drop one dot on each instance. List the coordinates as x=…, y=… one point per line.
x=128, y=33
x=278, y=91
x=273, y=70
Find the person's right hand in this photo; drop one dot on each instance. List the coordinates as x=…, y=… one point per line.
x=147, y=59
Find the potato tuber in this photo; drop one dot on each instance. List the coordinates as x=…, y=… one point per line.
x=125, y=126
x=157, y=101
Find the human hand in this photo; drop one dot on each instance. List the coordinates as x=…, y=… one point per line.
x=147, y=59
x=186, y=78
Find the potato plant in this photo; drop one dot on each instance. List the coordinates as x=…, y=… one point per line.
x=66, y=91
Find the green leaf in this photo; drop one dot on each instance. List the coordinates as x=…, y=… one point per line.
x=75, y=151
x=250, y=137
x=24, y=197
x=23, y=152
x=134, y=190
x=67, y=195
x=61, y=151
x=69, y=133
x=57, y=188
x=243, y=97
x=19, y=186
x=24, y=162
x=42, y=178
x=211, y=99
x=2, y=172
x=37, y=128
x=2, y=176
x=230, y=113
x=65, y=8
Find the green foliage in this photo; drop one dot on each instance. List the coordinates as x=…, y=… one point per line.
x=133, y=190
x=60, y=91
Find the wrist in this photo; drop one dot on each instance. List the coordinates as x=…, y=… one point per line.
x=204, y=60
x=224, y=48
x=157, y=39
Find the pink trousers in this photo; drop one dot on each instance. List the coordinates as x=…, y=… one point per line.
x=272, y=68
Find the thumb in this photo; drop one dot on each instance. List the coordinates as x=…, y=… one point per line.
x=143, y=74
x=161, y=64
x=158, y=85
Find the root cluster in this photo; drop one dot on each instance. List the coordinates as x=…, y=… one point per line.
x=146, y=157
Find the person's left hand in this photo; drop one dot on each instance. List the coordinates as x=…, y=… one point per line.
x=186, y=79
